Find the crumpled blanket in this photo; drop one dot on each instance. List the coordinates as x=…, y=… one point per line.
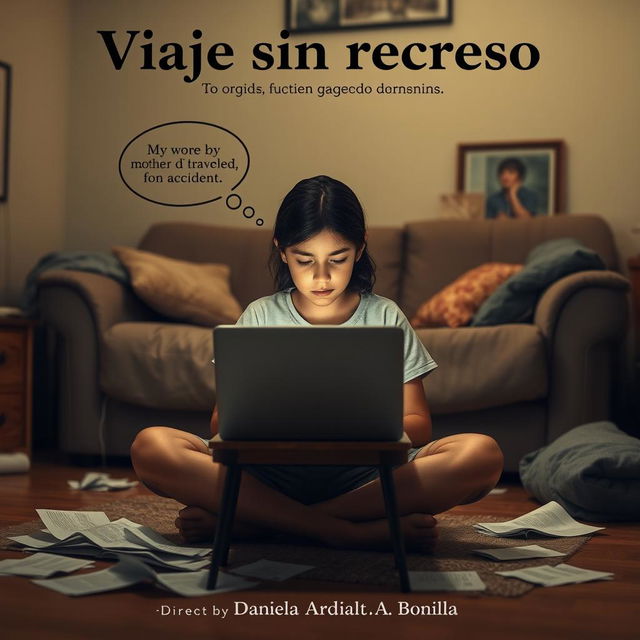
x=593, y=471
x=93, y=261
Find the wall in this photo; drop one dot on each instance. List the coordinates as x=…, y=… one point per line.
x=34, y=39
x=397, y=152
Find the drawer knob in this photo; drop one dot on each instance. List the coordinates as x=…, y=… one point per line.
x=3, y=357
x=3, y=419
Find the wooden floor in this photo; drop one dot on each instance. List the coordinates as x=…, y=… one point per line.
x=601, y=610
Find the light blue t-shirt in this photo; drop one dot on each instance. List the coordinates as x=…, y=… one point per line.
x=373, y=310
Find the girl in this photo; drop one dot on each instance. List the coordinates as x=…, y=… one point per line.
x=324, y=275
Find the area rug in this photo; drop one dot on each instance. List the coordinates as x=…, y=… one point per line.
x=457, y=538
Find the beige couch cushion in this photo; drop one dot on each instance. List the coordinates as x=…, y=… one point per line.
x=481, y=367
x=197, y=293
x=159, y=365
x=168, y=366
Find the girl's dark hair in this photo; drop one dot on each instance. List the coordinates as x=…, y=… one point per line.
x=315, y=204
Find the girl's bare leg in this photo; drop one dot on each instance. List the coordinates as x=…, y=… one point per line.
x=454, y=470
x=178, y=464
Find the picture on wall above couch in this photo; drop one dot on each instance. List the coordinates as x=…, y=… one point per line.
x=330, y=15
x=5, y=104
x=517, y=179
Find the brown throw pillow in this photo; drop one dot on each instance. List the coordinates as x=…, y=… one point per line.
x=195, y=292
x=457, y=303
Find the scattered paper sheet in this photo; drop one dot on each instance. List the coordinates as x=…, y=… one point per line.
x=157, y=559
x=62, y=524
x=41, y=565
x=195, y=584
x=113, y=535
x=446, y=581
x=162, y=561
x=95, y=481
x=519, y=553
x=549, y=576
x=130, y=571
x=271, y=570
x=37, y=540
x=124, y=574
x=153, y=540
x=173, y=563
x=105, y=540
x=551, y=519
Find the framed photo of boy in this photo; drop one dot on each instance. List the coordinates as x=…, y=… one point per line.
x=331, y=15
x=518, y=179
x=5, y=105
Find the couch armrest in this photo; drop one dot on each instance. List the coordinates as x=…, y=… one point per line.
x=80, y=307
x=108, y=301
x=583, y=318
x=561, y=292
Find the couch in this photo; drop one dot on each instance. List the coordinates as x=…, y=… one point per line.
x=122, y=367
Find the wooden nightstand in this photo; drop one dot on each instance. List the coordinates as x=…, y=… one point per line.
x=16, y=372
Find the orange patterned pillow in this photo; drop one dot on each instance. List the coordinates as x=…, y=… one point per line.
x=457, y=303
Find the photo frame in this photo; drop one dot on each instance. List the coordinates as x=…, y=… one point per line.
x=332, y=15
x=535, y=166
x=5, y=121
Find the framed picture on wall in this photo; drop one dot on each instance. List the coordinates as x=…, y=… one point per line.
x=5, y=112
x=329, y=15
x=518, y=179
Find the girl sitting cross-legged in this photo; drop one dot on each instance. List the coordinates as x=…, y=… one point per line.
x=324, y=275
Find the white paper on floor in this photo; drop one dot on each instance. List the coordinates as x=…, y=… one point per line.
x=130, y=571
x=124, y=574
x=551, y=519
x=106, y=539
x=41, y=565
x=195, y=583
x=95, y=481
x=153, y=540
x=519, y=553
x=446, y=581
x=271, y=570
x=62, y=524
x=549, y=576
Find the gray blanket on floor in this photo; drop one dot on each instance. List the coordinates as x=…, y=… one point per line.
x=593, y=471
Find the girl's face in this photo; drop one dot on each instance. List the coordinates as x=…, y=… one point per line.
x=321, y=266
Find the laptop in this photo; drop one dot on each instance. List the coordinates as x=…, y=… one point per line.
x=323, y=382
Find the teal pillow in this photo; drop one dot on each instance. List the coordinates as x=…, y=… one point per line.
x=515, y=300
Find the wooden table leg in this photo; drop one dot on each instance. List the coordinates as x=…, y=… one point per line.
x=222, y=540
x=389, y=493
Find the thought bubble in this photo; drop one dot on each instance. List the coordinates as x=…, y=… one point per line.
x=185, y=164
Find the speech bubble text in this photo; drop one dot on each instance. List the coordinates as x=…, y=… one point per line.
x=185, y=164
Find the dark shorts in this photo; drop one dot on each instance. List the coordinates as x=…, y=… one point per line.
x=315, y=483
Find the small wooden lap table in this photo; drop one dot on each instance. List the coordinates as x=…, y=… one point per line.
x=234, y=454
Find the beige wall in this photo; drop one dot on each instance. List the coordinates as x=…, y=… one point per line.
x=397, y=152
x=34, y=39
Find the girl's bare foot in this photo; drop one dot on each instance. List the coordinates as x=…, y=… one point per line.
x=419, y=531
x=199, y=525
